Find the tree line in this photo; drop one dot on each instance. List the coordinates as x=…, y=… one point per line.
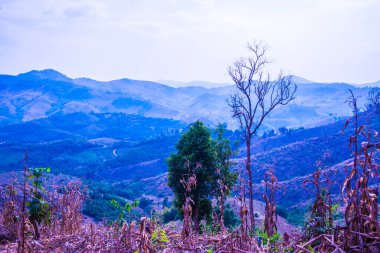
x=201, y=168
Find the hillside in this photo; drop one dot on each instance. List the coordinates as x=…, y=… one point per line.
x=41, y=94
x=91, y=145
x=116, y=135
x=294, y=157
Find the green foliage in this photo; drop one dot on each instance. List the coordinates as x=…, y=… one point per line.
x=99, y=209
x=170, y=215
x=99, y=206
x=209, y=228
x=230, y=219
x=310, y=248
x=334, y=207
x=165, y=203
x=224, y=153
x=195, y=146
x=38, y=208
x=296, y=216
x=263, y=237
x=124, y=210
x=281, y=211
x=145, y=204
x=159, y=237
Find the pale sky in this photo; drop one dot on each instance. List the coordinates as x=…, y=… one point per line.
x=184, y=40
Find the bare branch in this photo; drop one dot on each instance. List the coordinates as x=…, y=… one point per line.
x=256, y=97
x=374, y=98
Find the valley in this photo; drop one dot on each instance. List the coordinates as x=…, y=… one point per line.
x=117, y=135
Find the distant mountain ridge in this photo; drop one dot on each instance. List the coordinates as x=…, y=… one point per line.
x=41, y=94
x=375, y=84
x=45, y=74
x=205, y=84
x=122, y=131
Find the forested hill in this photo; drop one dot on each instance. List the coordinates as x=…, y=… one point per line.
x=100, y=132
x=41, y=94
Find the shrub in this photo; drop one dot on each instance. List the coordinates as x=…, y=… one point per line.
x=170, y=215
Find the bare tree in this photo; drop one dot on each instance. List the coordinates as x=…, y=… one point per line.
x=374, y=98
x=255, y=98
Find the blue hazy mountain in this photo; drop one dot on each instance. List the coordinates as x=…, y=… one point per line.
x=374, y=84
x=122, y=131
x=40, y=94
x=177, y=84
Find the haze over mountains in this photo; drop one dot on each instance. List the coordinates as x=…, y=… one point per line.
x=121, y=132
x=40, y=94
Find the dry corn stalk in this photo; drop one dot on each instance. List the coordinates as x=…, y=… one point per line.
x=271, y=186
x=317, y=220
x=70, y=204
x=244, y=227
x=362, y=233
x=145, y=245
x=9, y=214
x=223, y=188
x=188, y=182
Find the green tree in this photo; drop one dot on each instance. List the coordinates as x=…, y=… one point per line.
x=165, y=202
x=124, y=210
x=194, y=148
x=146, y=204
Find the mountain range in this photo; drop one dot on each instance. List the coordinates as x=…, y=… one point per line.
x=116, y=135
x=41, y=94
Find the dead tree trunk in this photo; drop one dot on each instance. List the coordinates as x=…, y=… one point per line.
x=255, y=98
x=21, y=247
x=250, y=188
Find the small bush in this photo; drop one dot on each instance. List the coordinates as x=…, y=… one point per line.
x=170, y=215
x=146, y=204
x=230, y=219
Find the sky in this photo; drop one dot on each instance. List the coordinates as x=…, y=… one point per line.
x=184, y=40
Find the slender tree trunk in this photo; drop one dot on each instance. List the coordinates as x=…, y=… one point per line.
x=21, y=230
x=196, y=220
x=248, y=167
x=35, y=227
x=330, y=215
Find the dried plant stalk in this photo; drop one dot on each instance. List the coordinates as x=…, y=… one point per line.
x=271, y=186
x=188, y=181
x=361, y=215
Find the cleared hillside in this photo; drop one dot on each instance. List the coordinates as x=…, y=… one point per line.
x=40, y=94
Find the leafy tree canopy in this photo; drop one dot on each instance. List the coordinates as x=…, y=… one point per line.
x=208, y=159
